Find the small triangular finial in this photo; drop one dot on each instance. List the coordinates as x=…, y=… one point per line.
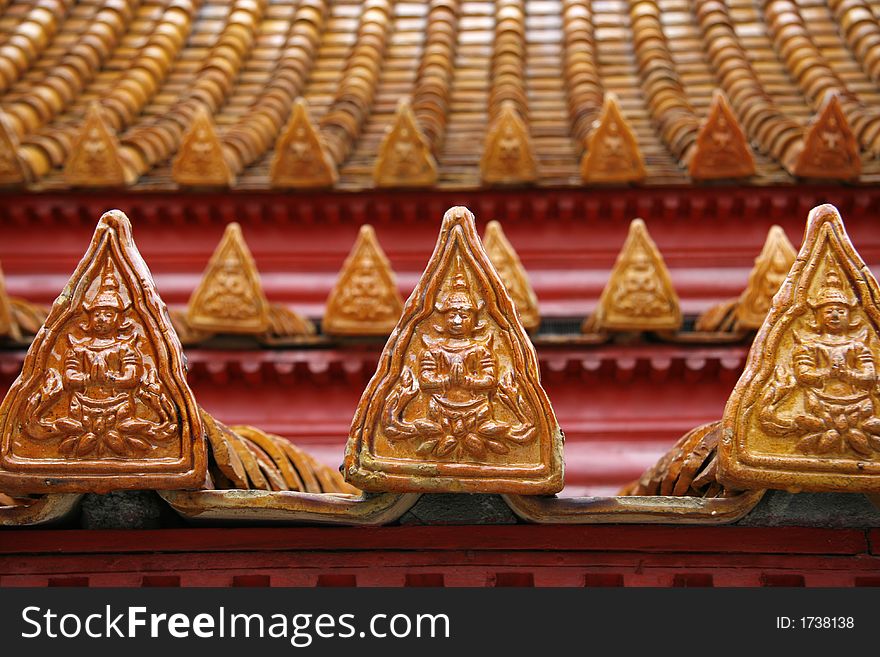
x=721, y=150
x=405, y=158
x=510, y=268
x=95, y=159
x=508, y=155
x=639, y=295
x=230, y=298
x=612, y=154
x=365, y=299
x=7, y=323
x=301, y=159
x=200, y=160
x=804, y=415
x=12, y=169
x=456, y=404
x=830, y=147
x=771, y=267
x=102, y=401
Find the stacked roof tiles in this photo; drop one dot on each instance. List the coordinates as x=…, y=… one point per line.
x=160, y=70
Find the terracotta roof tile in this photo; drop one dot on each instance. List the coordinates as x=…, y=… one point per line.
x=152, y=63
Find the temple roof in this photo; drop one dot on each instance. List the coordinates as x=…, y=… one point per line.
x=154, y=66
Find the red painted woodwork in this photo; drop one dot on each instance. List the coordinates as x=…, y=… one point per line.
x=442, y=556
x=567, y=239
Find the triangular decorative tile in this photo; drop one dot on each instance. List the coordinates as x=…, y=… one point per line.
x=456, y=404
x=365, y=299
x=7, y=323
x=612, y=154
x=405, y=158
x=508, y=155
x=830, y=147
x=94, y=159
x=102, y=401
x=300, y=159
x=200, y=160
x=12, y=169
x=721, y=150
x=512, y=272
x=770, y=269
x=230, y=298
x=804, y=414
x=639, y=295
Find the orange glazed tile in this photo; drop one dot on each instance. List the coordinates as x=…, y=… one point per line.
x=102, y=401
x=200, y=160
x=722, y=150
x=513, y=274
x=230, y=298
x=830, y=148
x=301, y=159
x=12, y=169
x=94, y=159
x=7, y=324
x=508, y=156
x=639, y=295
x=803, y=416
x=770, y=269
x=456, y=404
x=612, y=154
x=365, y=299
x=405, y=158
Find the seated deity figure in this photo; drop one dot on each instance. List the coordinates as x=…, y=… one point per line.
x=104, y=376
x=459, y=371
x=837, y=371
x=229, y=294
x=639, y=293
x=365, y=296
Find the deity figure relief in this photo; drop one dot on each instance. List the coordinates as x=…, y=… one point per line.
x=229, y=294
x=95, y=151
x=835, y=368
x=464, y=387
x=202, y=150
x=613, y=155
x=509, y=148
x=300, y=149
x=105, y=399
x=365, y=295
x=776, y=272
x=639, y=293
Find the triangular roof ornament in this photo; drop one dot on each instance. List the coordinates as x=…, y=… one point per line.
x=747, y=311
x=365, y=299
x=12, y=169
x=721, y=149
x=513, y=274
x=102, y=401
x=804, y=414
x=8, y=327
x=508, y=155
x=200, y=160
x=301, y=159
x=612, y=154
x=230, y=297
x=769, y=271
x=456, y=404
x=830, y=147
x=405, y=158
x=639, y=295
x=95, y=159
